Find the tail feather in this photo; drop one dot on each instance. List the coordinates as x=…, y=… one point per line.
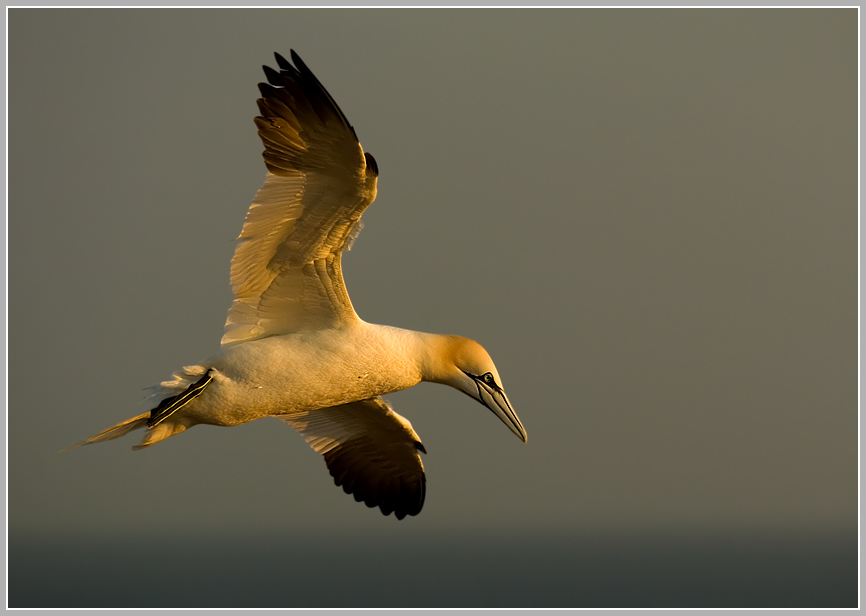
x=124, y=427
x=161, y=422
x=160, y=432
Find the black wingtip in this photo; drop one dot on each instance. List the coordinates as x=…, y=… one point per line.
x=372, y=167
x=304, y=84
x=272, y=76
x=282, y=62
x=297, y=60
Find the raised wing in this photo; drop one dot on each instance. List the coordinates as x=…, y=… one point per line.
x=286, y=272
x=371, y=451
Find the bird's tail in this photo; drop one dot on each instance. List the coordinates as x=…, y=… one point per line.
x=154, y=434
x=134, y=423
x=161, y=422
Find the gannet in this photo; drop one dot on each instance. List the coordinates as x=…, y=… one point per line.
x=294, y=348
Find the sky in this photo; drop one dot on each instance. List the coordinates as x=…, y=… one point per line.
x=647, y=217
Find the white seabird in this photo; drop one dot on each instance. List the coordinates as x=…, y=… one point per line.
x=293, y=346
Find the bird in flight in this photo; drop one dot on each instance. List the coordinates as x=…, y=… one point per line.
x=294, y=348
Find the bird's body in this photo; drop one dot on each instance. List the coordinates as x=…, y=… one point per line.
x=281, y=375
x=293, y=346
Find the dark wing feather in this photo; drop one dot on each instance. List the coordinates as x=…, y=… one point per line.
x=371, y=451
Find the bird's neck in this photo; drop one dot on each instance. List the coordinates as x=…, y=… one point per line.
x=430, y=356
x=435, y=356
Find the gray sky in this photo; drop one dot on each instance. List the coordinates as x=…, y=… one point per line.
x=648, y=218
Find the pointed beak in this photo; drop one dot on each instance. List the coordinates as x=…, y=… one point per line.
x=496, y=400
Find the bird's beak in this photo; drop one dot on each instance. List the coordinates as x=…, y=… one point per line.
x=496, y=400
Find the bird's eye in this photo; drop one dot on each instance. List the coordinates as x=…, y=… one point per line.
x=488, y=378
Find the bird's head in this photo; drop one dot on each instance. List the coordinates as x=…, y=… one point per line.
x=465, y=365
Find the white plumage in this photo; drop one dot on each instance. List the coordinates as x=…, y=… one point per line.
x=293, y=347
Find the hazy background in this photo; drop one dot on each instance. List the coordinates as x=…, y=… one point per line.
x=648, y=217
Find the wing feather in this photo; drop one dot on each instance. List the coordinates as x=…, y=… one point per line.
x=286, y=273
x=371, y=451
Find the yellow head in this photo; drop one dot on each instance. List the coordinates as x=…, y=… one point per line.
x=465, y=365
